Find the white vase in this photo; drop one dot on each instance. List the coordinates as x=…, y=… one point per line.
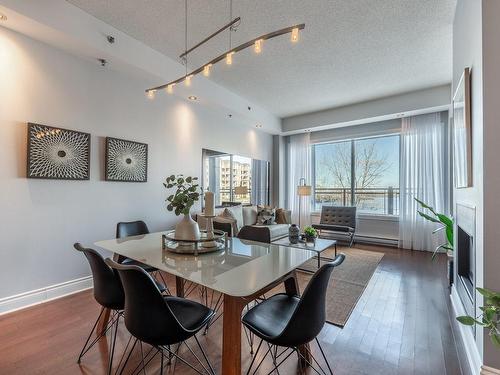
x=187, y=229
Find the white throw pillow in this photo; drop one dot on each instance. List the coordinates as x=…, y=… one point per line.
x=237, y=212
x=249, y=215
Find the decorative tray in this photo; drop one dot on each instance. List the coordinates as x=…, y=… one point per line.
x=207, y=243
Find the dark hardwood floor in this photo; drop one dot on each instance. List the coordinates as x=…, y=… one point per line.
x=400, y=325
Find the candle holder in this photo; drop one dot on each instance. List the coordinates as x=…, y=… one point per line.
x=210, y=231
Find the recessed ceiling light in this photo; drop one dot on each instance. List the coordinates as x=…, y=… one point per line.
x=192, y=97
x=258, y=126
x=3, y=17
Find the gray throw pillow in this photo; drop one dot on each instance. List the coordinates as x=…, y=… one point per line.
x=266, y=215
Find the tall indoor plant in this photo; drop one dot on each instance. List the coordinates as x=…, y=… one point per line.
x=447, y=222
x=187, y=192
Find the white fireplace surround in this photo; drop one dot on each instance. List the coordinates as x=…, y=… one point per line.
x=465, y=217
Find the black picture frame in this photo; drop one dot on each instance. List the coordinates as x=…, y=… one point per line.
x=116, y=149
x=46, y=143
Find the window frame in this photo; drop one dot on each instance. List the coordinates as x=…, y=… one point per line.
x=364, y=215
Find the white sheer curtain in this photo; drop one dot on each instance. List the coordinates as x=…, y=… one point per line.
x=422, y=176
x=299, y=166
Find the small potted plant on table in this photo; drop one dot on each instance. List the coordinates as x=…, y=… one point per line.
x=310, y=234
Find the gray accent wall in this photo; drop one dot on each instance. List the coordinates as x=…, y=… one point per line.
x=475, y=45
x=41, y=219
x=491, y=170
x=467, y=52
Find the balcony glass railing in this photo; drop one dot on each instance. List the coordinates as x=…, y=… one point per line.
x=225, y=196
x=379, y=201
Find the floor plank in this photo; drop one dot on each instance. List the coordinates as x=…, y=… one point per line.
x=401, y=325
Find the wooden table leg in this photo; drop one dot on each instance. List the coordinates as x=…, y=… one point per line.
x=179, y=286
x=292, y=288
x=231, y=335
x=103, y=322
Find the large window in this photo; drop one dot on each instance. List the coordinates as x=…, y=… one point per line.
x=358, y=172
x=235, y=178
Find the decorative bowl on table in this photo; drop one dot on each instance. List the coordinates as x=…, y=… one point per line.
x=204, y=244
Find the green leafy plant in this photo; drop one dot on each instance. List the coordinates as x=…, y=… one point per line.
x=310, y=232
x=489, y=318
x=438, y=218
x=187, y=192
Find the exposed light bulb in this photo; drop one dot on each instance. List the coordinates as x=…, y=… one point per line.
x=258, y=46
x=229, y=58
x=295, y=34
x=150, y=94
x=170, y=88
x=206, y=70
x=188, y=80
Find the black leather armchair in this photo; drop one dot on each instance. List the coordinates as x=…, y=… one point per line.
x=338, y=220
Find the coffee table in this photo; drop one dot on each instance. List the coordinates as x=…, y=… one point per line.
x=317, y=246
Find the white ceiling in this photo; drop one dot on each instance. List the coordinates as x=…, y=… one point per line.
x=350, y=51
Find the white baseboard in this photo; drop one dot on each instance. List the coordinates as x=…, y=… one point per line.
x=473, y=356
x=35, y=297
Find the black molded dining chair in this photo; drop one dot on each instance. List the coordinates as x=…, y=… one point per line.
x=136, y=228
x=108, y=292
x=291, y=322
x=128, y=229
x=160, y=321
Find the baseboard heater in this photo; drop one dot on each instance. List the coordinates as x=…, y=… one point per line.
x=392, y=242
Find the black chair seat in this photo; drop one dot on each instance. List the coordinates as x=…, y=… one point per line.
x=268, y=320
x=192, y=315
x=336, y=228
x=131, y=262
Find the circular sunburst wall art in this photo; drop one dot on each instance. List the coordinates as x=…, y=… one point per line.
x=126, y=160
x=56, y=153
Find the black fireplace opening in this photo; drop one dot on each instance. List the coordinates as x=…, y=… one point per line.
x=465, y=260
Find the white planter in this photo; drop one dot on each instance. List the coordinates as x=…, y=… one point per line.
x=187, y=229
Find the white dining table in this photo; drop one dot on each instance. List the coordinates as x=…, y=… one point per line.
x=242, y=272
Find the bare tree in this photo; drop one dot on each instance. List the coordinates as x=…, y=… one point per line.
x=370, y=166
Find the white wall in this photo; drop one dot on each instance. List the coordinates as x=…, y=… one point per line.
x=416, y=102
x=41, y=219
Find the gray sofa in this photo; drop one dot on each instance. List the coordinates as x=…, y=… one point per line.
x=246, y=224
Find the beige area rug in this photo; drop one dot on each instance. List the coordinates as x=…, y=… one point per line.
x=347, y=283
